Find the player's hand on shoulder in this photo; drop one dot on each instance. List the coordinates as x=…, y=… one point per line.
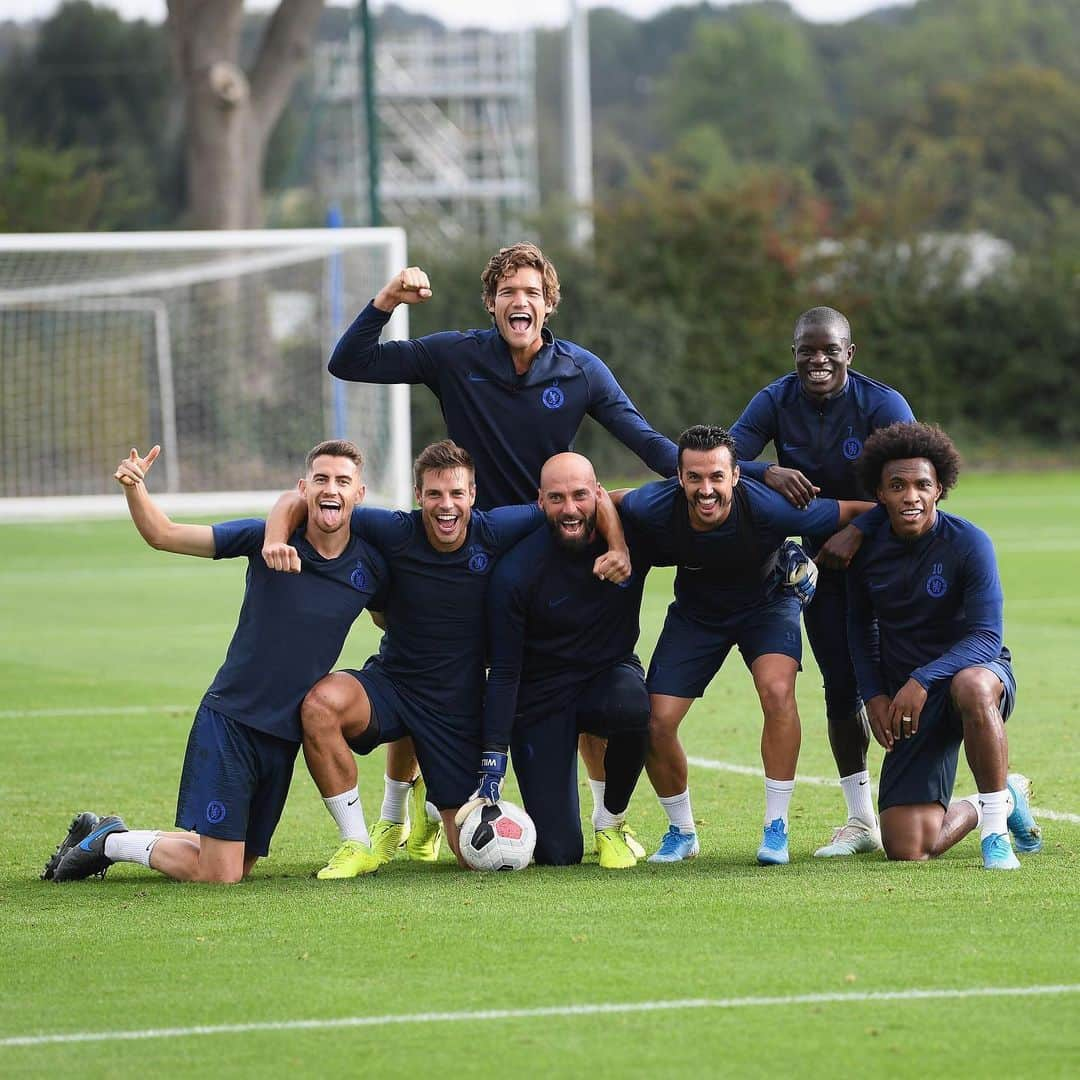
x=838, y=551
x=792, y=484
x=409, y=286
x=281, y=557
x=489, y=788
x=613, y=566
x=133, y=469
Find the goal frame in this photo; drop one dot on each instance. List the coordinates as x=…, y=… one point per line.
x=114, y=296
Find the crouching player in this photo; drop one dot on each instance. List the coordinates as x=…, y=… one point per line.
x=246, y=734
x=937, y=675
x=562, y=662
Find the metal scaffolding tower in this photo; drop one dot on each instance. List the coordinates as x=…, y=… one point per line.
x=456, y=132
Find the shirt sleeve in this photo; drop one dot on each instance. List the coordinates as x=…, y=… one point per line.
x=863, y=641
x=513, y=523
x=752, y=432
x=869, y=520
x=359, y=357
x=778, y=515
x=233, y=539
x=609, y=405
x=893, y=408
x=507, y=605
x=983, y=617
x=386, y=530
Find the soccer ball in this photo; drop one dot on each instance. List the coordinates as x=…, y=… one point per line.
x=499, y=837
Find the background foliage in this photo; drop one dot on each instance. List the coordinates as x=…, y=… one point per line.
x=748, y=165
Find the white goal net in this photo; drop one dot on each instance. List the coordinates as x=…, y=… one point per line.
x=213, y=344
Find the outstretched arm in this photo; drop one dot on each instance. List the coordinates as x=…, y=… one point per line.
x=154, y=525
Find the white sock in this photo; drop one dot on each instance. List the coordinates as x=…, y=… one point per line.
x=394, y=800
x=976, y=803
x=597, y=787
x=777, y=800
x=346, y=810
x=603, y=818
x=679, y=814
x=994, y=812
x=132, y=846
x=860, y=803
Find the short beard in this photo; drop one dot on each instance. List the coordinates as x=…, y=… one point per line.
x=570, y=544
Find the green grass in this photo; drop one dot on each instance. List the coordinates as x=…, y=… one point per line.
x=90, y=619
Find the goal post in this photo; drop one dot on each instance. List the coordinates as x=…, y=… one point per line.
x=213, y=344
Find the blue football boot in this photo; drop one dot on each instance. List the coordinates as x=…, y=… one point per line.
x=774, y=846
x=998, y=854
x=676, y=845
x=1026, y=834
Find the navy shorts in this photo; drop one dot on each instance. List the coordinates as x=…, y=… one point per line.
x=690, y=651
x=234, y=782
x=448, y=752
x=544, y=751
x=922, y=769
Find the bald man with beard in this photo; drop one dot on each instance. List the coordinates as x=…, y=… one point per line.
x=562, y=663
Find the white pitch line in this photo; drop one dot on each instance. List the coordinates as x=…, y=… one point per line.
x=828, y=781
x=543, y=1011
x=104, y=710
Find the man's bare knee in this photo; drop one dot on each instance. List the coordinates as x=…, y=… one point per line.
x=321, y=711
x=975, y=691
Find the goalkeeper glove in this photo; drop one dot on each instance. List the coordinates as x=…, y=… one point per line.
x=489, y=787
x=797, y=571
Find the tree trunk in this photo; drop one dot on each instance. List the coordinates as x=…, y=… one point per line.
x=229, y=113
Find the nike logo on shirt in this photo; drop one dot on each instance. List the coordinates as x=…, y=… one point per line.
x=478, y=378
x=556, y=603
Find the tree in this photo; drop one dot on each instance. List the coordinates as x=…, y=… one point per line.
x=230, y=113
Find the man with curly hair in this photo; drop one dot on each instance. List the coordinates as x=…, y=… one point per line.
x=937, y=673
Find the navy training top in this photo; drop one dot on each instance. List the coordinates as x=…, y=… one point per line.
x=510, y=423
x=821, y=438
x=721, y=571
x=553, y=623
x=434, y=645
x=291, y=627
x=938, y=604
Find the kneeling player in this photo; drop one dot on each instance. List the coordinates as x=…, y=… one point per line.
x=938, y=674
x=562, y=662
x=246, y=733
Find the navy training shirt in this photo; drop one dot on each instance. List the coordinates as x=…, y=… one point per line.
x=291, y=627
x=552, y=622
x=510, y=423
x=938, y=604
x=718, y=573
x=434, y=647
x=821, y=438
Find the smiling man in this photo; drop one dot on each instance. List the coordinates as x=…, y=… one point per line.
x=246, y=734
x=724, y=534
x=513, y=395
x=933, y=671
x=818, y=418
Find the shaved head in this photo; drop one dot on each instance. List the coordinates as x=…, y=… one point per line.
x=568, y=493
x=566, y=468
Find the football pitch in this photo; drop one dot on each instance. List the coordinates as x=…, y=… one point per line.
x=712, y=967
